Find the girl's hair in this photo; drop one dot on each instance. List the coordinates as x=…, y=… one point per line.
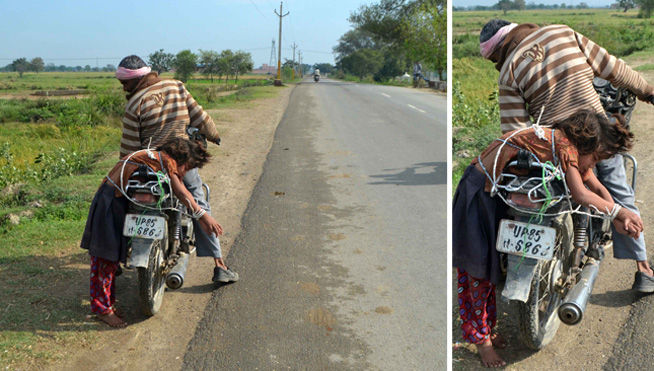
x=186, y=151
x=583, y=130
x=594, y=132
x=616, y=137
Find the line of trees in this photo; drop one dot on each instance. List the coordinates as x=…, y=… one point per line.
x=227, y=63
x=390, y=36
x=646, y=6
x=212, y=64
x=22, y=65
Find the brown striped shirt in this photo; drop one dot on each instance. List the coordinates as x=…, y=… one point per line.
x=553, y=67
x=160, y=112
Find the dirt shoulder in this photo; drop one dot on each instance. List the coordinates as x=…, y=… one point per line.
x=590, y=344
x=160, y=342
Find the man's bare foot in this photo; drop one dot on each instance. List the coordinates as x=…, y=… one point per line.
x=488, y=356
x=112, y=320
x=498, y=341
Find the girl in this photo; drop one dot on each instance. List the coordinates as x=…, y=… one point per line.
x=580, y=141
x=103, y=235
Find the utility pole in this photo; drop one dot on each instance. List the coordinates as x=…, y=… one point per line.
x=278, y=80
x=293, y=46
x=299, y=57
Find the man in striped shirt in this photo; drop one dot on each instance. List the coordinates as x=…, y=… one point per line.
x=158, y=110
x=546, y=74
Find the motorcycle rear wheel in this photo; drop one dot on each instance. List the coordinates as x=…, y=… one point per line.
x=538, y=317
x=151, y=280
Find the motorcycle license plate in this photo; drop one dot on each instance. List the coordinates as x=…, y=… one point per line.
x=144, y=226
x=528, y=240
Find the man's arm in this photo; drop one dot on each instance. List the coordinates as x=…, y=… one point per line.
x=201, y=120
x=513, y=114
x=613, y=69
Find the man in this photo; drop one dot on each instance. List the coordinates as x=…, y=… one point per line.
x=548, y=72
x=158, y=110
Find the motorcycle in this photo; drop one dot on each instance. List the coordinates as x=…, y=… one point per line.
x=551, y=249
x=316, y=78
x=160, y=232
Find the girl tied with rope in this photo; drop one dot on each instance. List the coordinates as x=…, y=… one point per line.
x=103, y=235
x=579, y=142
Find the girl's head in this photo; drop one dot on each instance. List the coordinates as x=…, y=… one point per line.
x=187, y=153
x=595, y=136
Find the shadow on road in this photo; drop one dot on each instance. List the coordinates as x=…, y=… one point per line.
x=615, y=299
x=424, y=173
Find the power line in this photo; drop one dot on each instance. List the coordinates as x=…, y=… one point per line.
x=255, y=5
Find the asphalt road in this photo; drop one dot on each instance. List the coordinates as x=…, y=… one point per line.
x=342, y=255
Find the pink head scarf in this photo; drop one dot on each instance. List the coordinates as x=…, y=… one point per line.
x=123, y=73
x=488, y=47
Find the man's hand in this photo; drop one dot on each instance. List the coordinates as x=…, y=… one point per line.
x=210, y=225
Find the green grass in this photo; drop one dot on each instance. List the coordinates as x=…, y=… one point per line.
x=620, y=33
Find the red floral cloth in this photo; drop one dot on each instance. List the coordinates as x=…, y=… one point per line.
x=476, y=307
x=103, y=291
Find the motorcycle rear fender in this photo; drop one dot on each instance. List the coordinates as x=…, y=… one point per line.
x=519, y=273
x=140, y=252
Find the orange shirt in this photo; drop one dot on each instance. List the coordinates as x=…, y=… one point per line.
x=566, y=152
x=170, y=167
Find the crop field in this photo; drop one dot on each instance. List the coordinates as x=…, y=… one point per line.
x=475, y=111
x=54, y=151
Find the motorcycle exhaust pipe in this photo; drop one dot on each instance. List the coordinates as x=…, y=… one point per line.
x=175, y=279
x=572, y=310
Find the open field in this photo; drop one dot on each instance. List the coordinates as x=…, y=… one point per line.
x=53, y=154
x=475, y=112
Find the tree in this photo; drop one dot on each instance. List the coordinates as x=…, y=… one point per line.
x=363, y=62
x=646, y=7
x=626, y=4
x=241, y=63
x=324, y=67
x=425, y=35
x=160, y=61
x=225, y=63
x=504, y=5
x=20, y=65
x=521, y=5
x=37, y=64
x=210, y=63
x=185, y=65
x=352, y=41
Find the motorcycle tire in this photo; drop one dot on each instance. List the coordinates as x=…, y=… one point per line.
x=151, y=281
x=538, y=317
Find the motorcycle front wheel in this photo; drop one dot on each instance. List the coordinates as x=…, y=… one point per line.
x=538, y=317
x=152, y=280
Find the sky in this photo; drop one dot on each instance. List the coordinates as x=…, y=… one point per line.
x=592, y=3
x=97, y=33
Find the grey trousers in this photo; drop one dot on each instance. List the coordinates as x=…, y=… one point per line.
x=611, y=173
x=206, y=245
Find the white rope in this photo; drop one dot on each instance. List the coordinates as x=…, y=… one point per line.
x=552, y=173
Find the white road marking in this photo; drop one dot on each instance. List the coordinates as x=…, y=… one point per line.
x=386, y=95
x=416, y=108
